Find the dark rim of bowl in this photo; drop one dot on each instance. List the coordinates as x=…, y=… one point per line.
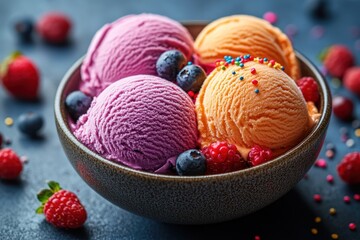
x=325, y=109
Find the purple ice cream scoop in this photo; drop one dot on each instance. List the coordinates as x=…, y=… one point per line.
x=141, y=121
x=129, y=46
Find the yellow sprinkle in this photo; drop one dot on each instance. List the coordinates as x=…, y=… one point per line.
x=314, y=231
x=357, y=132
x=334, y=236
x=222, y=63
x=9, y=121
x=269, y=64
x=332, y=211
x=277, y=65
x=256, y=59
x=318, y=219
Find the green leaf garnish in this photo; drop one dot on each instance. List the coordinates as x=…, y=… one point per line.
x=54, y=186
x=5, y=64
x=44, y=195
x=40, y=210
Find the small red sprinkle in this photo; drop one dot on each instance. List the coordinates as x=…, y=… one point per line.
x=346, y=199
x=257, y=238
x=357, y=197
x=226, y=64
x=253, y=71
x=317, y=198
x=352, y=226
x=255, y=82
x=191, y=93
x=321, y=163
x=232, y=61
x=272, y=62
x=330, y=178
x=261, y=60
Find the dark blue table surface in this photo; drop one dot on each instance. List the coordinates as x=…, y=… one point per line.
x=291, y=217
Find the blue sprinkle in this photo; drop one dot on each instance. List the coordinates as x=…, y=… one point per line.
x=283, y=68
x=265, y=59
x=237, y=59
x=241, y=78
x=241, y=65
x=233, y=72
x=256, y=91
x=189, y=63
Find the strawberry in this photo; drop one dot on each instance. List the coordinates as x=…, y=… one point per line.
x=309, y=89
x=349, y=168
x=10, y=164
x=222, y=157
x=338, y=59
x=20, y=77
x=61, y=208
x=352, y=80
x=54, y=27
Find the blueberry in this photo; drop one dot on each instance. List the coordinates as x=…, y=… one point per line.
x=169, y=64
x=24, y=28
x=191, y=77
x=318, y=8
x=77, y=104
x=191, y=163
x=30, y=124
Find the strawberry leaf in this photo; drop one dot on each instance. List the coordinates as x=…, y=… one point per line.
x=44, y=195
x=40, y=210
x=323, y=54
x=5, y=64
x=54, y=186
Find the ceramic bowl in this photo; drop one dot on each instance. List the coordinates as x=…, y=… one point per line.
x=200, y=199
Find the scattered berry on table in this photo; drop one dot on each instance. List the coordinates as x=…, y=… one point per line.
x=30, y=123
x=338, y=59
x=169, y=64
x=222, y=157
x=317, y=8
x=352, y=226
x=343, y=107
x=309, y=89
x=271, y=17
x=10, y=164
x=61, y=208
x=346, y=199
x=77, y=103
x=352, y=80
x=317, y=198
x=191, y=77
x=20, y=77
x=259, y=155
x=349, y=168
x=24, y=29
x=191, y=163
x=54, y=27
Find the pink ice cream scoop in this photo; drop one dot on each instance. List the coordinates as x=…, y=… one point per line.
x=129, y=46
x=141, y=121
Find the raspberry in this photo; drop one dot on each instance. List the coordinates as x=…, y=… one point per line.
x=338, y=59
x=259, y=155
x=309, y=89
x=10, y=164
x=222, y=157
x=349, y=168
x=62, y=208
x=192, y=95
x=343, y=107
x=54, y=27
x=352, y=80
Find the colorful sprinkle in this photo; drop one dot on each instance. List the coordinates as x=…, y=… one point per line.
x=317, y=219
x=314, y=231
x=255, y=82
x=350, y=142
x=330, y=153
x=9, y=121
x=352, y=226
x=233, y=72
x=241, y=78
x=317, y=198
x=332, y=211
x=357, y=132
x=271, y=17
x=330, y=178
x=347, y=199
x=189, y=63
x=241, y=65
x=257, y=91
x=265, y=59
x=321, y=163
x=253, y=71
x=334, y=236
x=357, y=197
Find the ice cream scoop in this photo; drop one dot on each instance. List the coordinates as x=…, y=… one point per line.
x=249, y=103
x=140, y=121
x=129, y=46
x=241, y=34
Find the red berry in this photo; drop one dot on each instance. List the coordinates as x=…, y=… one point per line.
x=61, y=208
x=309, y=89
x=54, y=27
x=222, y=157
x=259, y=155
x=20, y=77
x=352, y=80
x=349, y=168
x=338, y=59
x=343, y=107
x=10, y=164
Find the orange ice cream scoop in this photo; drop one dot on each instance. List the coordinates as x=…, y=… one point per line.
x=252, y=104
x=241, y=34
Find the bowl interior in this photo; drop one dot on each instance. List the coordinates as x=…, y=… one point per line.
x=72, y=79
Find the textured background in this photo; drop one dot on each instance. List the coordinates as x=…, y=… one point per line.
x=291, y=217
